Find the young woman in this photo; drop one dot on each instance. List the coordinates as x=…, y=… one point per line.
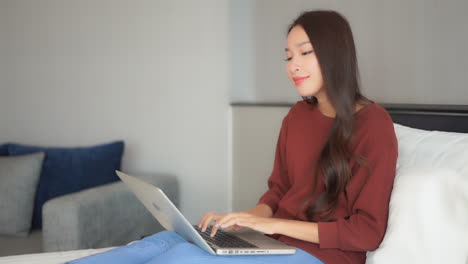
x=334, y=167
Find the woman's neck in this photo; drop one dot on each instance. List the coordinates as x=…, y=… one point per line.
x=325, y=107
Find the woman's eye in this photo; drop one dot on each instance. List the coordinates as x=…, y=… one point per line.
x=303, y=54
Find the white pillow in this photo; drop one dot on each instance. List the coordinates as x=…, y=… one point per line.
x=428, y=221
x=428, y=217
x=418, y=148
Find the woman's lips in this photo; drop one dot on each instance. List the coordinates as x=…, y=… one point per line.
x=299, y=80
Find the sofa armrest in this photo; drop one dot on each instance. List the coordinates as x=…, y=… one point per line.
x=103, y=216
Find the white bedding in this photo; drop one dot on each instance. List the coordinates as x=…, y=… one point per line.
x=52, y=257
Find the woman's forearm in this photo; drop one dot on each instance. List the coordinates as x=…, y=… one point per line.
x=307, y=231
x=261, y=210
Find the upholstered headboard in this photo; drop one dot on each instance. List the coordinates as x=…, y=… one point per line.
x=452, y=118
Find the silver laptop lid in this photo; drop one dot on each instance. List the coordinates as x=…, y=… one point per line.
x=164, y=210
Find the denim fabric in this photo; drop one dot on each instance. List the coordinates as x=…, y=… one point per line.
x=168, y=247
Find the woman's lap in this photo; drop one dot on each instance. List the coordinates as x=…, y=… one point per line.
x=168, y=247
x=135, y=253
x=190, y=253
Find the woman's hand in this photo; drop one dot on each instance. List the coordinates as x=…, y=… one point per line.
x=259, y=218
x=209, y=217
x=237, y=221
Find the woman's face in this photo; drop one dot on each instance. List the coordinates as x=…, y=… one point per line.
x=302, y=65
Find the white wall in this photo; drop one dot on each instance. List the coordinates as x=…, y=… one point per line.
x=160, y=74
x=242, y=38
x=255, y=132
x=408, y=51
x=153, y=73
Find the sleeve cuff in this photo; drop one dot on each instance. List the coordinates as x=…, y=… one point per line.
x=328, y=235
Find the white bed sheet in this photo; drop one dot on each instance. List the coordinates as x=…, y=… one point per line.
x=51, y=257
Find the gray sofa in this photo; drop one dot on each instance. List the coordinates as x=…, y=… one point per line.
x=104, y=216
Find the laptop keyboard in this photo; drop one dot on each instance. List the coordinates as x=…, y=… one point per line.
x=224, y=239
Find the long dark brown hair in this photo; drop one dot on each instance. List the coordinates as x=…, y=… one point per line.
x=332, y=39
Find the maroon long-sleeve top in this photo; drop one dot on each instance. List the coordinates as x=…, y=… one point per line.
x=359, y=221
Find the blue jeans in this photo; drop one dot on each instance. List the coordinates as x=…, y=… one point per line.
x=168, y=247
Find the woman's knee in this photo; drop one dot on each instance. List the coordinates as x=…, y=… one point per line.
x=168, y=236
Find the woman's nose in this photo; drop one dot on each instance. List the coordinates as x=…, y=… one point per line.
x=294, y=67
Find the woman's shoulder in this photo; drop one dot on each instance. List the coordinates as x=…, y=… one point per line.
x=303, y=106
x=374, y=113
x=374, y=122
x=298, y=108
x=300, y=105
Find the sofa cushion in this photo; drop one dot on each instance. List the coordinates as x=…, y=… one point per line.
x=68, y=170
x=18, y=181
x=4, y=150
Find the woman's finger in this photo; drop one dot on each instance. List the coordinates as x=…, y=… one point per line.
x=233, y=227
x=222, y=221
x=215, y=229
x=225, y=218
x=203, y=219
x=216, y=226
x=229, y=222
x=208, y=221
x=212, y=216
x=225, y=221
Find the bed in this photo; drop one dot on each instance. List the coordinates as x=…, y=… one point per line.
x=452, y=118
x=51, y=257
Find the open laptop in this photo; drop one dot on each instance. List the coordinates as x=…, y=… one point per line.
x=246, y=242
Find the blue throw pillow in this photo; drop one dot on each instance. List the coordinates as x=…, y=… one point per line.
x=4, y=150
x=68, y=170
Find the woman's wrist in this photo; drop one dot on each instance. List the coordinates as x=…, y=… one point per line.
x=302, y=230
